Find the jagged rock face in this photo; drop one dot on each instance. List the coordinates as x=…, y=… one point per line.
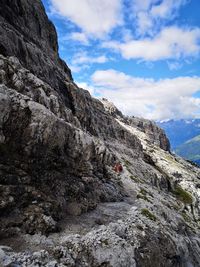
x=53, y=144
x=26, y=32
x=45, y=158
x=111, y=108
x=58, y=146
x=156, y=135
x=48, y=141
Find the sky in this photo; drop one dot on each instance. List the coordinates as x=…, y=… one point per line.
x=142, y=55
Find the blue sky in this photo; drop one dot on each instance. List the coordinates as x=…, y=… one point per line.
x=141, y=55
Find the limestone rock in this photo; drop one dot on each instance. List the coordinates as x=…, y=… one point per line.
x=26, y=32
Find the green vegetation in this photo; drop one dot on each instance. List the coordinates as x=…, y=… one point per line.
x=144, y=192
x=148, y=214
x=183, y=195
x=143, y=197
x=126, y=162
x=186, y=217
x=134, y=179
x=190, y=149
x=176, y=207
x=129, y=170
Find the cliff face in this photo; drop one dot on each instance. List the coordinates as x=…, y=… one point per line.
x=49, y=128
x=26, y=32
x=58, y=146
x=155, y=134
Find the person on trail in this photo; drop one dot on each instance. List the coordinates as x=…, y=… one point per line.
x=118, y=168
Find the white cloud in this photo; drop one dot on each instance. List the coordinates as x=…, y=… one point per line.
x=174, y=65
x=94, y=17
x=171, y=42
x=82, y=61
x=80, y=37
x=83, y=57
x=78, y=68
x=158, y=100
x=167, y=8
x=144, y=22
x=151, y=14
x=144, y=5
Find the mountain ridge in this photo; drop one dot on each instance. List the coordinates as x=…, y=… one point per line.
x=180, y=130
x=190, y=149
x=59, y=193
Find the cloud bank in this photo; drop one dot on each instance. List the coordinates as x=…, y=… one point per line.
x=154, y=99
x=94, y=17
x=170, y=43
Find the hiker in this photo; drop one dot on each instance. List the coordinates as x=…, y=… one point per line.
x=118, y=167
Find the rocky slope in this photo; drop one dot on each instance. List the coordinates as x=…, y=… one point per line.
x=58, y=146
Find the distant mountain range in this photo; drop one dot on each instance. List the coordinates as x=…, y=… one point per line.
x=184, y=136
x=190, y=149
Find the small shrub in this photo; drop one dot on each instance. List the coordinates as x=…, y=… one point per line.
x=183, y=195
x=148, y=214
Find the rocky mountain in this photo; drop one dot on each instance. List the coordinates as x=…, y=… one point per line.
x=61, y=202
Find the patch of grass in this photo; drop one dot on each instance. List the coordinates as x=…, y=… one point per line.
x=183, y=195
x=176, y=207
x=148, y=214
x=128, y=169
x=169, y=157
x=134, y=179
x=144, y=192
x=186, y=217
x=126, y=162
x=139, y=196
